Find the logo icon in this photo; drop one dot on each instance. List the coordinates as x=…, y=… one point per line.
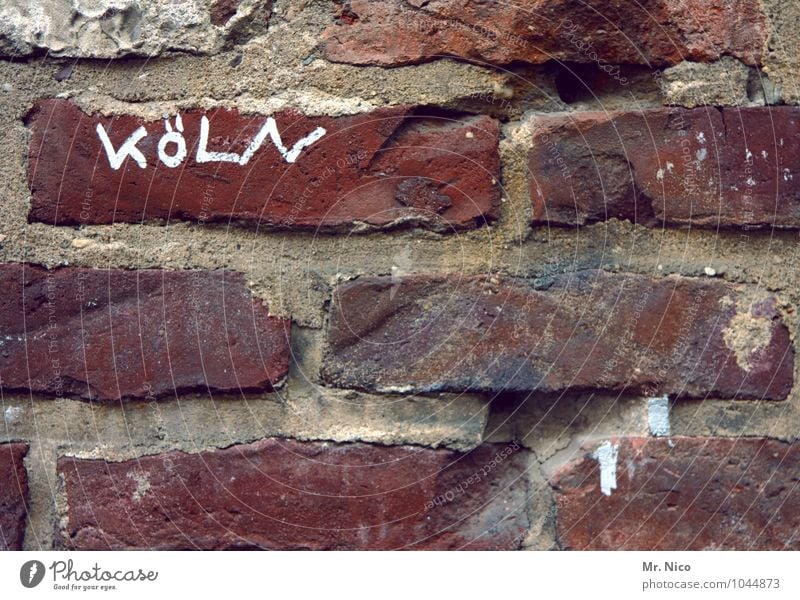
x=31, y=573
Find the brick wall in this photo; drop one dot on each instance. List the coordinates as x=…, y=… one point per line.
x=377, y=275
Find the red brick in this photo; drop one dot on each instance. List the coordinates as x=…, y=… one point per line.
x=110, y=334
x=284, y=495
x=13, y=495
x=652, y=33
x=702, y=167
x=684, y=494
x=391, y=167
x=590, y=330
x=222, y=11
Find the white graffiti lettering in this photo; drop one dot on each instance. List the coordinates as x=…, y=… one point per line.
x=172, y=147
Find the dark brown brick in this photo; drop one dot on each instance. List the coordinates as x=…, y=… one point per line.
x=650, y=32
x=590, y=330
x=702, y=167
x=684, y=494
x=391, y=167
x=13, y=495
x=284, y=495
x=110, y=334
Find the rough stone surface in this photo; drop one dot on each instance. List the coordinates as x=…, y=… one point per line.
x=110, y=334
x=704, y=167
x=584, y=331
x=722, y=83
x=285, y=495
x=389, y=167
x=653, y=33
x=683, y=494
x=115, y=28
x=782, y=60
x=13, y=495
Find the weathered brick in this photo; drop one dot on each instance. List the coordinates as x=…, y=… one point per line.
x=683, y=494
x=652, y=33
x=110, y=334
x=702, y=167
x=589, y=330
x=390, y=167
x=282, y=494
x=13, y=495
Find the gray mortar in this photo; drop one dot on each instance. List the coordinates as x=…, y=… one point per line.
x=294, y=273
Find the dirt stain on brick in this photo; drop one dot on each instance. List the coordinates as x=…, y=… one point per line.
x=748, y=332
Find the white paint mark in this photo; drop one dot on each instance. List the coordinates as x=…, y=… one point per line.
x=660, y=175
x=606, y=456
x=764, y=154
x=12, y=414
x=701, y=137
x=750, y=181
x=701, y=154
x=142, y=486
x=269, y=128
x=670, y=166
x=709, y=271
x=203, y=155
x=172, y=137
x=128, y=148
x=658, y=416
x=787, y=175
x=747, y=154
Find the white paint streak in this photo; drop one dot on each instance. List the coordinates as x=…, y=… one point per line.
x=312, y=137
x=606, y=455
x=658, y=416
